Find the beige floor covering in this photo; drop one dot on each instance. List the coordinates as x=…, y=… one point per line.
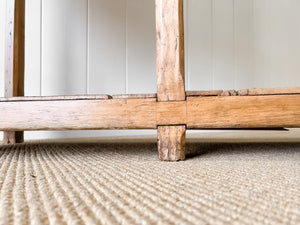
x=126, y=184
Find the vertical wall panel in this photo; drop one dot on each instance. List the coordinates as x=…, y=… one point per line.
x=33, y=47
x=33, y=21
x=141, y=47
x=64, y=47
x=276, y=38
x=199, y=44
x=223, y=44
x=2, y=51
x=107, y=46
x=244, y=44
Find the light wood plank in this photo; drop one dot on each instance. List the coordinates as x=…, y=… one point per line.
x=131, y=96
x=269, y=91
x=243, y=112
x=220, y=112
x=56, y=98
x=173, y=148
x=14, y=58
x=204, y=93
x=170, y=50
x=78, y=114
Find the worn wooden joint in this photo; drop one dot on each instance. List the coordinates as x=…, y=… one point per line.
x=171, y=142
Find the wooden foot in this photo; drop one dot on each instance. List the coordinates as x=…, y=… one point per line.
x=11, y=137
x=171, y=143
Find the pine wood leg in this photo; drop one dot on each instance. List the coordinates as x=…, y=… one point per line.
x=12, y=137
x=171, y=142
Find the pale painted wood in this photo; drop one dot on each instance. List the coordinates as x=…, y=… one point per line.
x=140, y=46
x=243, y=44
x=223, y=45
x=199, y=44
x=276, y=41
x=64, y=38
x=33, y=40
x=107, y=47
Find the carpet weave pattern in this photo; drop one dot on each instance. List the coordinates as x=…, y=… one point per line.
x=126, y=184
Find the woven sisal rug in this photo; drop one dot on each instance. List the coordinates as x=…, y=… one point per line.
x=126, y=184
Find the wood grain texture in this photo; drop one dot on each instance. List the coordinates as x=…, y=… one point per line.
x=135, y=96
x=269, y=91
x=171, y=142
x=229, y=93
x=78, y=114
x=56, y=98
x=243, y=112
x=170, y=50
x=204, y=93
x=14, y=57
x=220, y=112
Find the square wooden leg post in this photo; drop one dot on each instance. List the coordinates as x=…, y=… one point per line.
x=171, y=142
x=14, y=58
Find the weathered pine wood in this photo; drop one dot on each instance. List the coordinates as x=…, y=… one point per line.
x=56, y=98
x=269, y=91
x=173, y=147
x=135, y=96
x=204, y=93
x=243, y=112
x=170, y=74
x=220, y=112
x=229, y=93
x=14, y=57
x=170, y=50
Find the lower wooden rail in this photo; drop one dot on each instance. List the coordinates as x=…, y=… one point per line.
x=104, y=112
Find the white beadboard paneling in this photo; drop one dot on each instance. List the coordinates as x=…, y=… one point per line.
x=33, y=47
x=107, y=47
x=141, y=46
x=199, y=44
x=33, y=34
x=277, y=48
x=244, y=44
x=223, y=44
x=2, y=50
x=64, y=31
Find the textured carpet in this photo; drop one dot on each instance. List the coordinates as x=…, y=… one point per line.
x=126, y=184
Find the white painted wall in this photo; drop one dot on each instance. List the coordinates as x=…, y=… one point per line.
x=108, y=46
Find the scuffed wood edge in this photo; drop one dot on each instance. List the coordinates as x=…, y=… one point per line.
x=56, y=98
x=135, y=96
x=204, y=93
x=269, y=91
